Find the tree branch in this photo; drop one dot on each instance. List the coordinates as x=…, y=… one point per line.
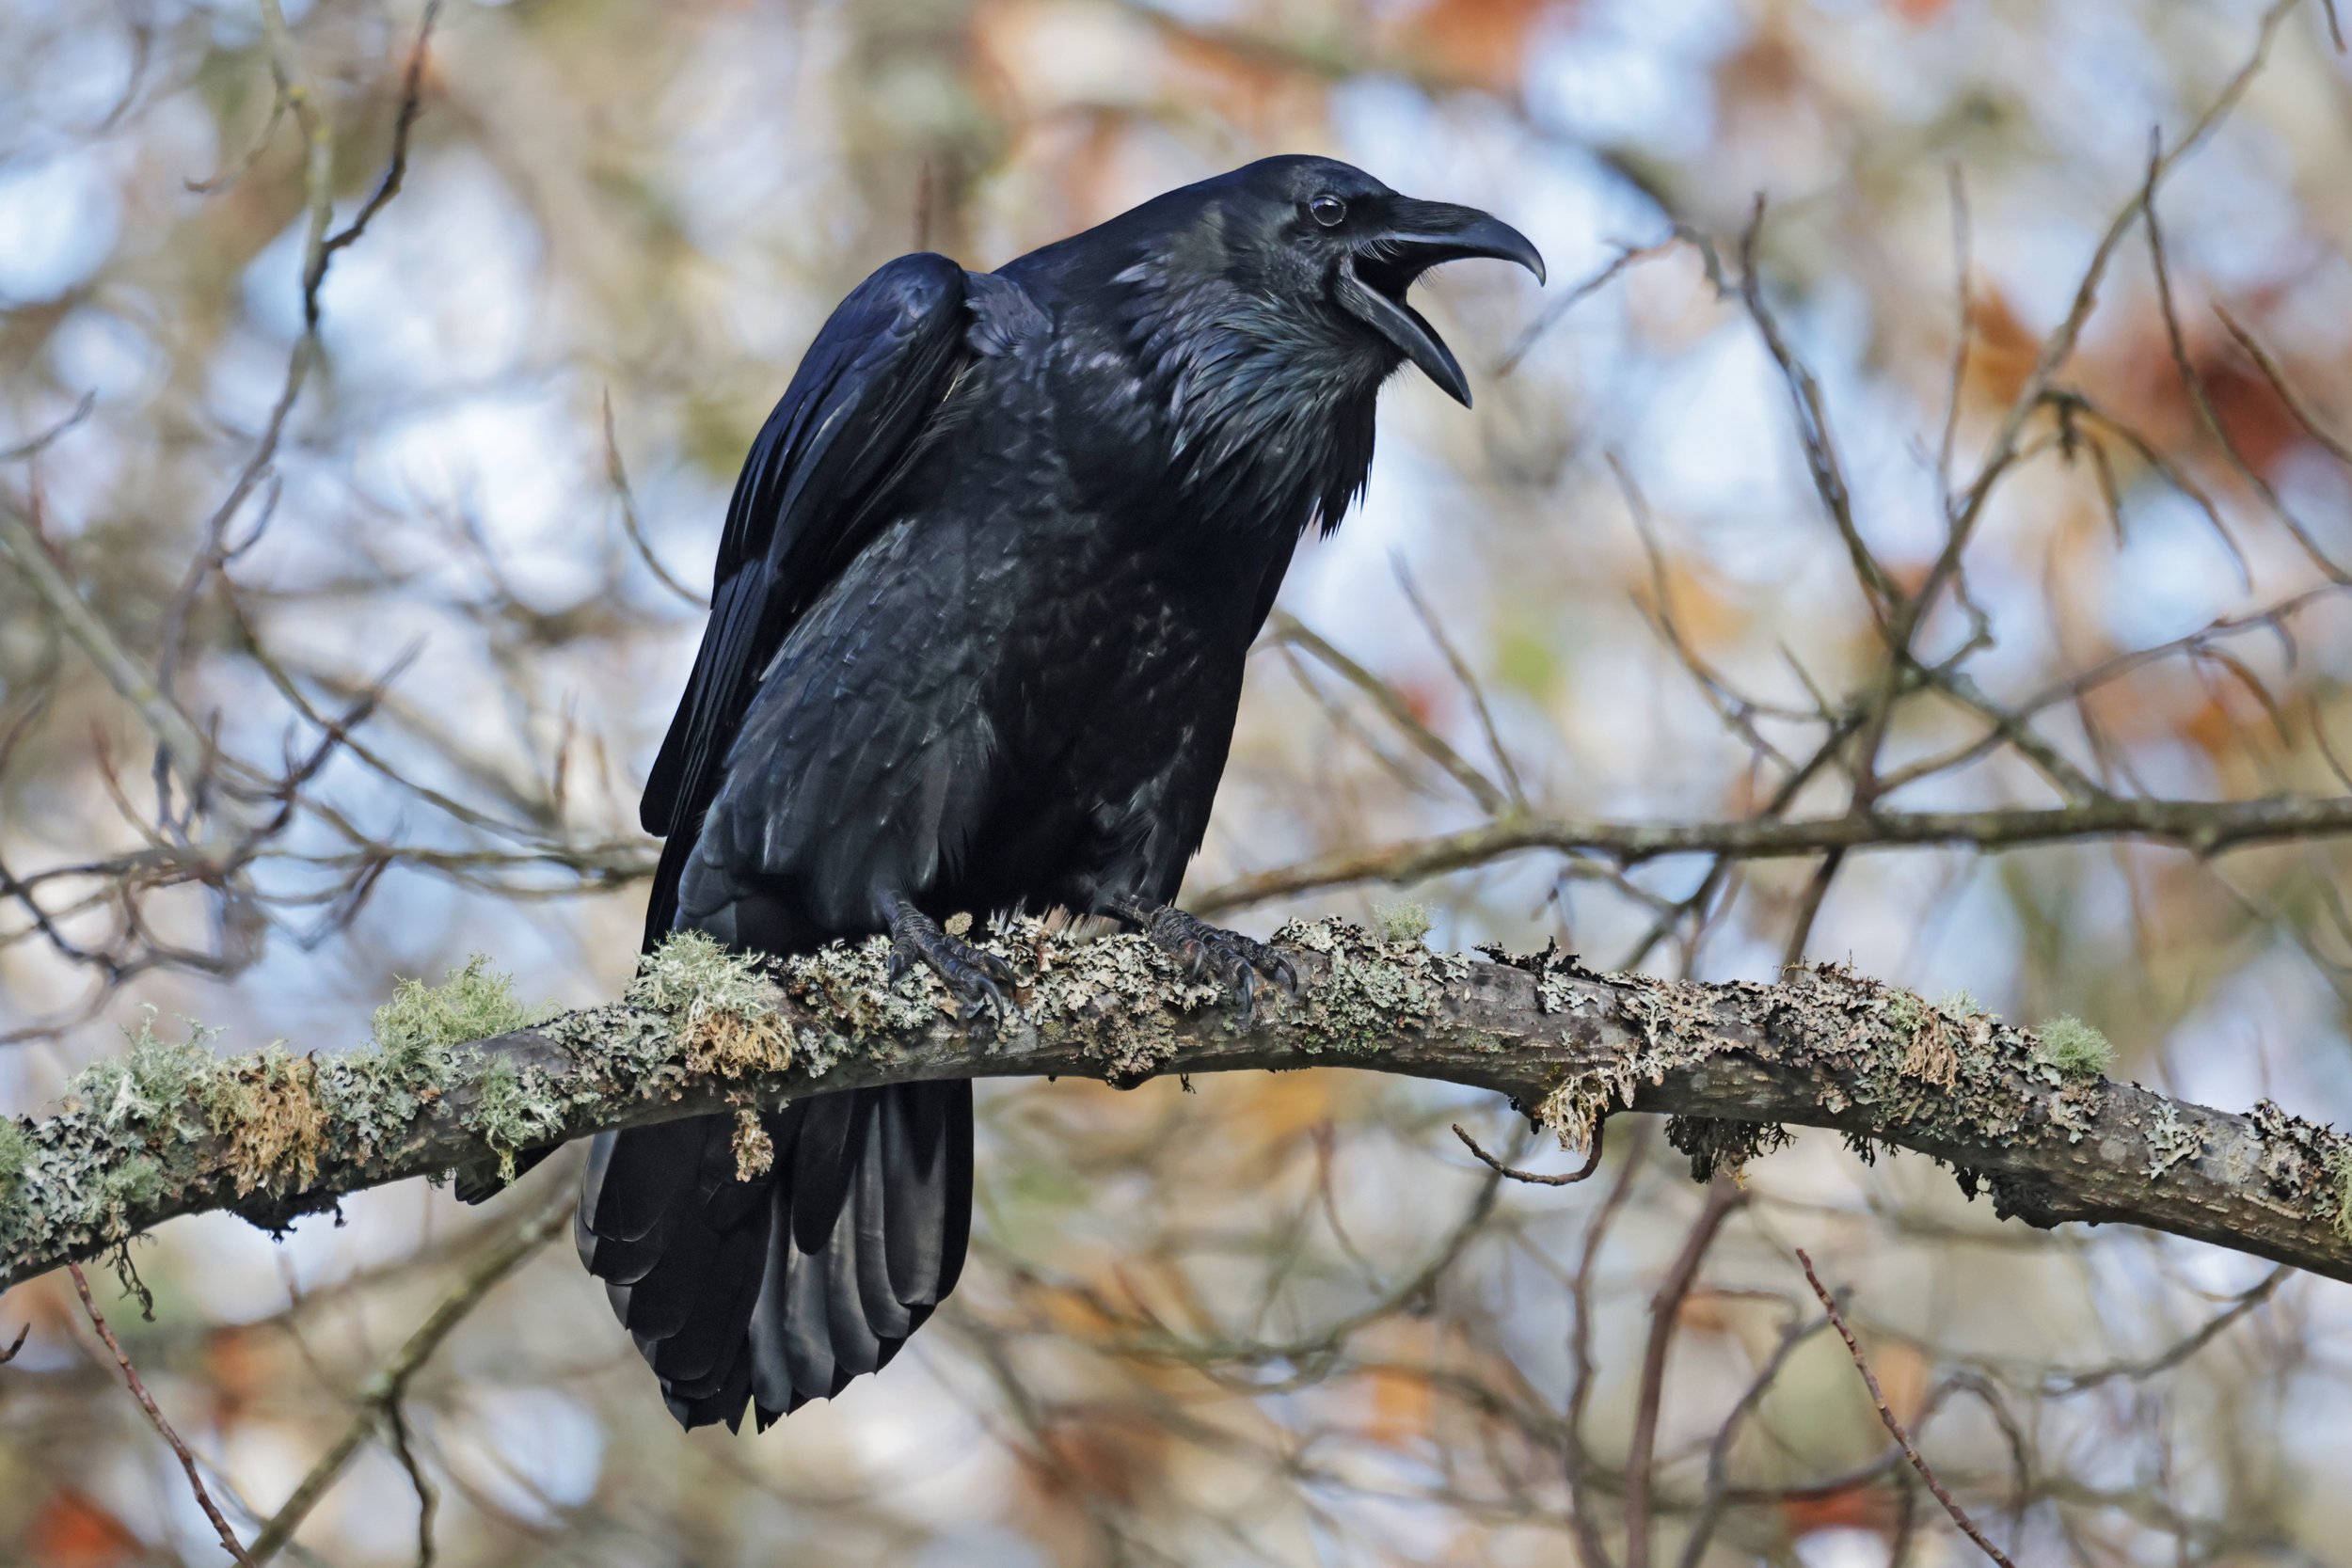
x=173, y=1130
x=2203, y=827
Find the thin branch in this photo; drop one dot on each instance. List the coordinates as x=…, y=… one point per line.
x=1719, y=1487
x=2060, y=1385
x=2333, y=445
x=1894, y=1425
x=1591, y=1548
x=2058, y=346
x=1628, y=255
x=617, y=476
x=155, y=1417
x=1582, y=1173
x=411, y=104
x=2200, y=399
x=1725, y=1196
x=33, y=446
x=1288, y=630
x=2201, y=827
x=29, y=554
x=1464, y=676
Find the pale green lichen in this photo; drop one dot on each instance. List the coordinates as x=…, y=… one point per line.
x=1405, y=921
x=16, y=1155
x=2075, y=1047
x=417, y=1055
x=1906, y=1013
x=419, y=1024
x=158, y=1077
x=1376, y=987
x=126, y=1187
x=512, y=1110
x=2339, y=1179
x=723, y=1004
x=2172, y=1141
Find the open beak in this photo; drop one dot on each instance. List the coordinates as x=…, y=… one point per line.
x=1421, y=236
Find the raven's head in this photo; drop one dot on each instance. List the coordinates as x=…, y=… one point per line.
x=1325, y=240
x=1260, y=311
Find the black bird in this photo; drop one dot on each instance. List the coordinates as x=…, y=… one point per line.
x=976, y=644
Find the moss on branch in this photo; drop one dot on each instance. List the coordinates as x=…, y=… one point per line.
x=462, y=1077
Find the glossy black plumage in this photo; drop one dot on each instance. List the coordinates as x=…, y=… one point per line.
x=976, y=639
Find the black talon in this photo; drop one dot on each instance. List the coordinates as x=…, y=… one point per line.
x=976, y=978
x=1238, y=962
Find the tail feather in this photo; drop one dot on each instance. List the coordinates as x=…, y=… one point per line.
x=824, y=1165
x=886, y=1314
x=782, y=1289
x=702, y=1350
x=914, y=1196
x=956, y=1212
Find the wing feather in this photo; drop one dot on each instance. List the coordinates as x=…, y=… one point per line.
x=805, y=504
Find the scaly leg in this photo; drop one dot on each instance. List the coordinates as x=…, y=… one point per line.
x=1239, y=962
x=978, y=979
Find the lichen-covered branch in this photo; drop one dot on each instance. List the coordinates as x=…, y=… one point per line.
x=459, y=1078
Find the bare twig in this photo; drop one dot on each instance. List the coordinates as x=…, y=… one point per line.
x=2203, y=827
x=1725, y=1196
x=2200, y=398
x=618, y=475
x=2060, y=1385
x=1582, y=1521
x=1464, y=676
x=25, y=550
x=1894, y=1425
x=33, y=446
x=155, y=1417
x=1718, y=1451
x=2333, y=445
x=1583, y=1172
x=1628, y=255
x=396, y=169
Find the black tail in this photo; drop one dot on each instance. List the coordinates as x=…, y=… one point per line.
x=779, y=1290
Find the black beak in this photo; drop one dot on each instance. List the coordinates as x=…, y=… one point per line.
x=1420, y=235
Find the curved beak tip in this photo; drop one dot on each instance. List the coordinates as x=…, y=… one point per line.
x=1428, y=234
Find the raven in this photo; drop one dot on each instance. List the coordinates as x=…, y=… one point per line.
x=982, y=608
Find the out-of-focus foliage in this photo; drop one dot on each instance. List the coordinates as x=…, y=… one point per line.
x=1283, y=1320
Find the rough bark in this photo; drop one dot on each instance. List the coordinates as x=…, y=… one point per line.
x=174, y=1129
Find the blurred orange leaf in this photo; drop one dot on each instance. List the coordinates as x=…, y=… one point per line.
x=1477, y=42
x=72, y=1531
x=2001, y=353
x=1403, y=1406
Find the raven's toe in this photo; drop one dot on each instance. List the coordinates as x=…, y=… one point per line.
x=978, y=979
x=1238, y=962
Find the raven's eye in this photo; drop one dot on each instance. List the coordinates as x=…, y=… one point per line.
x=1329, y=211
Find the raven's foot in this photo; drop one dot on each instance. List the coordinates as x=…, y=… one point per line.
x=1239, y=962
x=978, y=979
